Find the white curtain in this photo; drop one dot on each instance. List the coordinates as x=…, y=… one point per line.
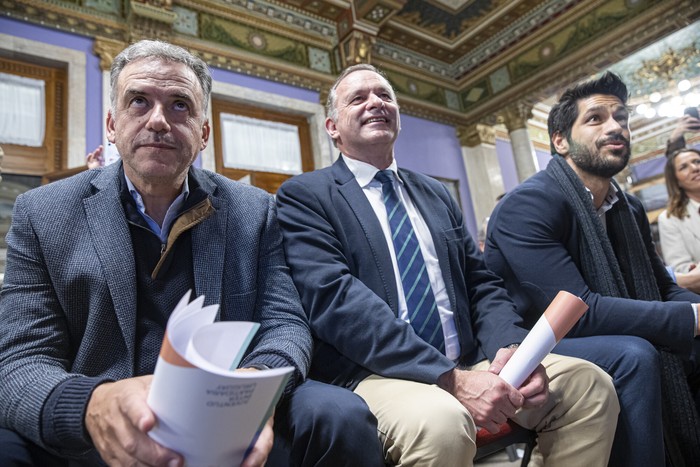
x=253, y=144
x=22, y=112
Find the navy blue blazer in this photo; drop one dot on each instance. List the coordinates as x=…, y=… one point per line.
x=533, y=243
x=341, y=265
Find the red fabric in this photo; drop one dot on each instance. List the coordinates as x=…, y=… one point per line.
x=483, y=437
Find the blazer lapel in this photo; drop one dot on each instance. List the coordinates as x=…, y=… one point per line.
x=367, y=219
x=208, y=241
x=112, y=240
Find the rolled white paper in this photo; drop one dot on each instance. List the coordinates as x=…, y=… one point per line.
x=556, y=321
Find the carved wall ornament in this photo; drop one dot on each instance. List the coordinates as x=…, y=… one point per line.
x=474, y=135
x=515, y=116
x=357, y=48
x=151, y=19
x=107, y=49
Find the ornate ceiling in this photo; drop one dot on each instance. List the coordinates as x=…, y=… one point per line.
x=455, y=61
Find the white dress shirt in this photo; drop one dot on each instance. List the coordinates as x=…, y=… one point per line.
x=364, y=174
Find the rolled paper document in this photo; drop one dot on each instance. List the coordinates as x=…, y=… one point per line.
x=558, y=319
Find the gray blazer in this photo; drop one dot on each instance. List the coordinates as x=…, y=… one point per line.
x=68, y=305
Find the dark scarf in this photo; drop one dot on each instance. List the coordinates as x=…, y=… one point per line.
x=625, y=271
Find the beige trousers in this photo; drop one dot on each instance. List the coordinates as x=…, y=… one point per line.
x=422, y=425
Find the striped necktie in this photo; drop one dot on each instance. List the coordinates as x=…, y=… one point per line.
x=420, y=301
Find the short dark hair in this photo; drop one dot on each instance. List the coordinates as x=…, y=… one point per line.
x=565, y=111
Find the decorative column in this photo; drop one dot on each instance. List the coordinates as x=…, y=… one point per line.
x=515, y=118
x=483, y=169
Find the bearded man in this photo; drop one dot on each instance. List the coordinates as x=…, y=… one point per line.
x=570, y=227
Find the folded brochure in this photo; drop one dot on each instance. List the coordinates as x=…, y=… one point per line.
x=206, y=410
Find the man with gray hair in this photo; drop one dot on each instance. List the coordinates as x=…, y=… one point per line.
x=404, y=311
x=97, y=262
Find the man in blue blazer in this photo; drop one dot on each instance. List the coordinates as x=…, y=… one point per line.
x=428, y=399
x=570, y=227
x=97, y=262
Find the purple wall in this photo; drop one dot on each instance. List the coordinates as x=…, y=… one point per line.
x=433, y=149
x=230, y=77
x=423, y=146
x=543, y=158
x=94, y=120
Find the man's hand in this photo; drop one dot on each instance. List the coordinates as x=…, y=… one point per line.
x=535, y=389
x=258, y=456
x=118, y=420
x=490, y=400
x=689, y=280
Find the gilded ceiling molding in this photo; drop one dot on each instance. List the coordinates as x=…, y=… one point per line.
x=525, y=25
x=544, y=46
x=240, y=61
x=300, y=46
x=377, y=12
x=474, y=135
x=314, y=32
x=668, y=65
x=66, y=17
x=607, y=48
x=150, y=19
x=106, y=50
x=158, y=10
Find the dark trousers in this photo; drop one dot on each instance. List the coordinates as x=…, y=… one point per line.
x=634, y=366
x=319, y=425
x=324, y=425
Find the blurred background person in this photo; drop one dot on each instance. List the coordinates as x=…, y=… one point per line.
x=689, y=123
x=679, y=224
x=481, y=235
x=95, y=158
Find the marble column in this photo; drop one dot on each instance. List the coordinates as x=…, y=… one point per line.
x=483, y=169
x=515, y=118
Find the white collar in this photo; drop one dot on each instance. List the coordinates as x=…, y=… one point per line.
x=364, y=173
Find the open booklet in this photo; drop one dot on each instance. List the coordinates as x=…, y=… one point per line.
x=207, y=411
